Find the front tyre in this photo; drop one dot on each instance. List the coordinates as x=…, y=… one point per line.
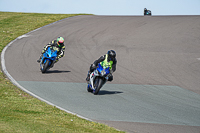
x=45, y=66
x=97, y=85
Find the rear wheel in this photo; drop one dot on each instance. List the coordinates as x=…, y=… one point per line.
x=45, y=66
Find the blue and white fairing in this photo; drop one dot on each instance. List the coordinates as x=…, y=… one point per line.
x=101, y=72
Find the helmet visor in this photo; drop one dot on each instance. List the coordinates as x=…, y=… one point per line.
x=60, y=43
x=111, y=58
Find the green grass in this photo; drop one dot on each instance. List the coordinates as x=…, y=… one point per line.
x=20, y=112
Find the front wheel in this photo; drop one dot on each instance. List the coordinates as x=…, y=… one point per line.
x=45, y=66
x=97, y=85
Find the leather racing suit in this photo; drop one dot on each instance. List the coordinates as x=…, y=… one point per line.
x=101, y=60
x=55, y=46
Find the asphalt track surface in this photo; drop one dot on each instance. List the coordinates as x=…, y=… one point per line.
x=156, y=86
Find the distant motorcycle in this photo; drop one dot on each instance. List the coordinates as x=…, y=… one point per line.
x=98, y=78
x=48, y=59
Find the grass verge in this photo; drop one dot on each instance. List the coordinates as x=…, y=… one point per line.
x=20, y=112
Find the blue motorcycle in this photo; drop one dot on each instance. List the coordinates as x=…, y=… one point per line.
x=98, y=78
x=48, y=59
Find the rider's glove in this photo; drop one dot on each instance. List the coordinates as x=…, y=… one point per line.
x=93, y=67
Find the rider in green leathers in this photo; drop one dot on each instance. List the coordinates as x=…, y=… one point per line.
x=108, y=59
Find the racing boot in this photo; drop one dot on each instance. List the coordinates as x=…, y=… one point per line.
x=88, y=76
x=39, y=59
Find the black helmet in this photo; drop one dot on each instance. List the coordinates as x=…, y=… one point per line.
x=111, y=55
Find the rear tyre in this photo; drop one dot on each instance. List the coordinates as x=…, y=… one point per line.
x=45, y=66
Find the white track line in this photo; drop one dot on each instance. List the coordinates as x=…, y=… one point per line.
x=18, y=85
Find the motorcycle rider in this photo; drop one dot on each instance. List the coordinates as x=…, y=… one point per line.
x=58, y=45
x=145, y=10
x=107, y=59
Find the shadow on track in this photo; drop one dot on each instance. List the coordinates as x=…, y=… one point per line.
x=104, y=92
x=56, y=71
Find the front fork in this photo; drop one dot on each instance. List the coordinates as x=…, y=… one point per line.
x=92, y=77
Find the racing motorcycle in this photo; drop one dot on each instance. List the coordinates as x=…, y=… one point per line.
x=98, y=78
x=48, y=59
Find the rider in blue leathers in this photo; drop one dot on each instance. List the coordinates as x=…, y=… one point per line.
x=58, y=45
